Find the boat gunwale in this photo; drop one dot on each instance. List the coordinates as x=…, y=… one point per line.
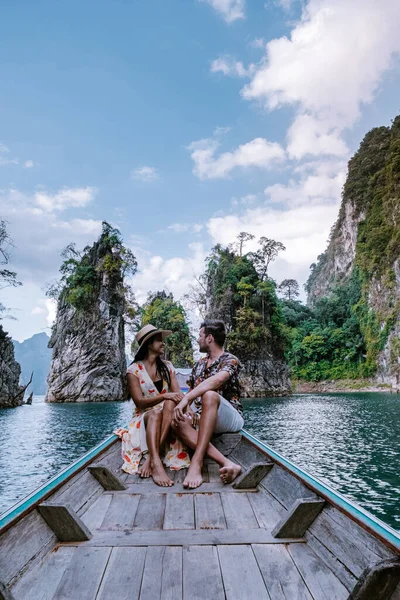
x=377, y=528
x=19, y=510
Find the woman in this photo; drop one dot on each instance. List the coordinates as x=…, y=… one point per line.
x=155, y=391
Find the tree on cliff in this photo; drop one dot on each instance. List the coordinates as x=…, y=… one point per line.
x=7, y=277
x=268, y=252
x=289, y=288
x=162, y=311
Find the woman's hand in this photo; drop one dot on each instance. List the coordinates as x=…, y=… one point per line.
x=178, y=411
x=174, y=396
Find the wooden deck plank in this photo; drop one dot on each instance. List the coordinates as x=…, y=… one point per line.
x=185, y=537
x=133, y=478
x=320, y=580
x=331, y=561
x=94, y=516
x=171, y=584
x=267, y=510
x=281, y=577
x=150, y=488
x=240, y=573
x=41, y=582
x=152, y=574
x=209, y=511
x=121, y=512
x=246, y=454
x=83, y=491
x=83, y=575
x=213, y=472
x=123, y=576
x=150, y=512
x=27, y=539
x=238, y=511
x=179, y=512
x=201, y=573
x=180, y=476
x=285, y=487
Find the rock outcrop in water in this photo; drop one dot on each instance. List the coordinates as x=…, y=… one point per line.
x=365, y=245
x=11, y=393
x=88, y=363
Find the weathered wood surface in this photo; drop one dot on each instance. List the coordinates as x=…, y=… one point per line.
x=281, y=577
x=206, y=488
x=28, y=540
x=285, y=487
x=240, y=572
x=252, y=476
x=171, y=582
x=94, y=516
x=320, y=580
x=245, y=454
x=396, y=593
x=150, y=512
x=83, y=575
x=106, y=477
x=378, y=581
x=152, y=574
x=226, y=442
x=209, y=511
x=5, y=593
x=66, y=524
x=298, y=519
x=179, y=512
x=196, y=537
x=238, y=512
x=201, y=573
x=267, y=510
x=41, y=582
x=121, y=512
x=123, y=575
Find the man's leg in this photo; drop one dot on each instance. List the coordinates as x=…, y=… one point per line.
x=153, y=421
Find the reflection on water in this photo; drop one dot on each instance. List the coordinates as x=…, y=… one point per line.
x=351, y=441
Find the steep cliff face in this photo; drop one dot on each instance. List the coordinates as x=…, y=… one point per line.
x=88, y=363
x=264, y=377
x=11, y=393
x=366, y=241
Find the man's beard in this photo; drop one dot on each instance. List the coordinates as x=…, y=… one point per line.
x=203, y=349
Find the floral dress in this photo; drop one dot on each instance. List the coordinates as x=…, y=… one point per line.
x=134, y=443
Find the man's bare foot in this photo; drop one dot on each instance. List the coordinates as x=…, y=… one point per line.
x=229, y=472
x=145, y=469
x=193, y=478
x=159, y=475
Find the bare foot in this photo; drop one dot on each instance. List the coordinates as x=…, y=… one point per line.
x=193, y=478
x=159, y=475
x=145, y=469
x=229, y=472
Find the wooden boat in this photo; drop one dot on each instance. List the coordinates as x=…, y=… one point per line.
x=94, y=532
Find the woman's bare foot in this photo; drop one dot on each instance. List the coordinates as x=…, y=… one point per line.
x=145, y=469
x=159, y=475
x=193, y=478
x=229, y=472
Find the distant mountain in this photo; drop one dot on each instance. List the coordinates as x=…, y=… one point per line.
x=34, y=355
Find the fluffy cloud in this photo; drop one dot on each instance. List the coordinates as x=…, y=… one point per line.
x=5, y=160
x=308, y=135
x=258, y=153
x=186, y=227
x=145, y=174
x=28, y=164
x=230, y=10
x=333, y=60
x=229, y=66
x=65, y=198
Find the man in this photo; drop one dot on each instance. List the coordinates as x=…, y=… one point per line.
x=215, y=394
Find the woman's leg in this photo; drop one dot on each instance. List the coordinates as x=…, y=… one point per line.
x=153, y=422
x=168, y=411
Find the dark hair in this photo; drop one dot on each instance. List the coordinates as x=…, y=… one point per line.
x=216, y=328
x=161, y=367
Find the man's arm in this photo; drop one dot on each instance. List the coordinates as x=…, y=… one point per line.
x=215, y=382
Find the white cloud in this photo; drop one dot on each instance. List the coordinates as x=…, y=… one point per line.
x=4, y=160
x=29, y=164
x=258, y=43
x=286, y=5
x=332, y=62
x=258, y=153
x=308, y=135
x=186, y=227
x=145, y=174
x=65, y=198
x=246, y=200
x=229, y=66
x=230, y=10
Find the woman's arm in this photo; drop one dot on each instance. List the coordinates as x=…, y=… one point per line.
x=212, y=383
x=175, y=387
x=137, y=395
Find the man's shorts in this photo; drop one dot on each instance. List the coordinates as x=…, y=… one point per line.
x=229, y=419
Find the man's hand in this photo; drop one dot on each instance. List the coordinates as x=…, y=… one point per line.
x=178, y=414
x=174, y=396
x=194, y=416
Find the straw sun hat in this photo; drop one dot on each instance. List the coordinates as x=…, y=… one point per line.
x=147, y=332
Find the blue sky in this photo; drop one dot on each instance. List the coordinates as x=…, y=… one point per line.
x=182, y=122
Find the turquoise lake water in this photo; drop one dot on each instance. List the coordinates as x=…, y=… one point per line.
x=350, y=441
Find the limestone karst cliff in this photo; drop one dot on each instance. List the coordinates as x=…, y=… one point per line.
x=365, y=245
x=11, y=393
x=88, y=362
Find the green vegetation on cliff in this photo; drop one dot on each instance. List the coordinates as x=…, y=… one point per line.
x=162, y=311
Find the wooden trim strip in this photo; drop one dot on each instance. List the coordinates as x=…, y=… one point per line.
x=185, y=537
x=146, y=489
x=369, y=522
x=27, y=504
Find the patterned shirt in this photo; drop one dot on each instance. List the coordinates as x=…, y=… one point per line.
x=230, y=390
